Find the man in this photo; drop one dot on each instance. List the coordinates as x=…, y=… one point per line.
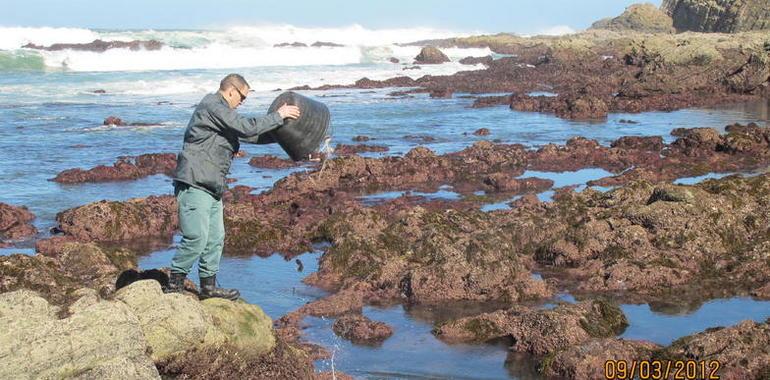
x=210, y=142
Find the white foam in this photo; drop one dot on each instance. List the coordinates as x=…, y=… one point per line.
x=16, y=37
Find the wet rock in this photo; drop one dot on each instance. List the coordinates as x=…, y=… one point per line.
x=291, y=44
x=240, y=154
x=361, y=138
x=587, y=360
x=100, y=46
x=476, y=60
x=104, y=340
x=393, y=60
x=15, y=222
x=99, y=91
x=125, y=168
x=442, y=93
x=741, y=350
x=271, y=162
x=223, y=361
x=491, y=101
x=504, y=183
x=426, y=256
x=113, y=120
x=121, y=220
x=361, y=330
x=670, y=193
x=345, y=150
x=61, y=267
x=647, y=143
x=430, y=55
x=645, y=18
x=420, y=138
x=722, y=16
x=326, y=44
x=538, y=331
x=411, y=68
x=481, y=132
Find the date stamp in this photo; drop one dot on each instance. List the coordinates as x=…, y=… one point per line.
x=661, y=369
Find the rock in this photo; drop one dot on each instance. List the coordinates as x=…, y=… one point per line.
x=671, y=193
x=538, y=331
x=326, y=44
x=271, y=162
x=393, y=60
x=113, y=120
x=504, y=183
x=103, y=340
x=100, y=46
x=587, y=360
x=646, y=143
x=411, y=68
x=361, y=138
x=361, y=330
x=430, y=55
x=154, y=216
x=741, y=349
x=174, y=323
x=345, y=150
x=491, y=101
x=15, y=222
x=724, y=16
x=62, y=268
x=444, y=93
x=125, y=168
x=644, y=18
x=420, y=138
x=481, y=132
x=476, y=60
x=292, y=44
x=240, y=154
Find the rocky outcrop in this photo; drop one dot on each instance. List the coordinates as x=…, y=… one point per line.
x=645, y=18
x=15, y=223
x=361, y=330
x=123, y=337
x=347, y=150
x=741, y=350
x=587, y=360
x=430, y=55
x=125, y=168
x=724, y=16
x=154, y=216
x=536, y=331
x=104, y=340
x=100, y=46
x=271, y=162
x=61, y=267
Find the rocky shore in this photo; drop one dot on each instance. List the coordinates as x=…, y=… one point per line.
x=634, y=236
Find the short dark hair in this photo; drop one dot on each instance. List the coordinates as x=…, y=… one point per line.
x=235, y=80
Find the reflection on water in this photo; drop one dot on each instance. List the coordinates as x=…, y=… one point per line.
x=665, y=328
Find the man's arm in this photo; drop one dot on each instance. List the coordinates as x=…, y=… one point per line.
x=265, y=138
x=245, y=127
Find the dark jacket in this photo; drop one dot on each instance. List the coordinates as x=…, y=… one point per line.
x=211, y=140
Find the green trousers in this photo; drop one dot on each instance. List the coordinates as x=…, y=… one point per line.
x=201, y=221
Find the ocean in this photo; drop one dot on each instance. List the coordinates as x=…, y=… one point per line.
x=53, y=103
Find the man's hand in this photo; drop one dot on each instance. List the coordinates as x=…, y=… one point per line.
x=287, y=111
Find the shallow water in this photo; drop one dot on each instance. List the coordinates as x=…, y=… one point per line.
x=56, y=125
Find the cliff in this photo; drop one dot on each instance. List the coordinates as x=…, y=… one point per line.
x=724, y=16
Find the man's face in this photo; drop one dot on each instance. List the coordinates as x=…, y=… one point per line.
x=238, y=95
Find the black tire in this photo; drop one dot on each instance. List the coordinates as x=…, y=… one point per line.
x=302, y=137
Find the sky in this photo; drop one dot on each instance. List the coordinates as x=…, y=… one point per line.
x=518, y=16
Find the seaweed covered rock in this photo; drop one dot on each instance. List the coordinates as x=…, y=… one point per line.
x=645, y=18
x=587, y=360
x=428, y=256
x=271, y=162
x=103, y=341
x=15, y=222
x=121, y=220
x=742, y=350
x=361, y=330
x=63, y=266
x=125, y=168
x=538, y=331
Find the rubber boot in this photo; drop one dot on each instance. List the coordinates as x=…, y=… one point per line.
x=175, y=283
x=209, y=289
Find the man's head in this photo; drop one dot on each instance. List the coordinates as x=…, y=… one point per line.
x=234, y=89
